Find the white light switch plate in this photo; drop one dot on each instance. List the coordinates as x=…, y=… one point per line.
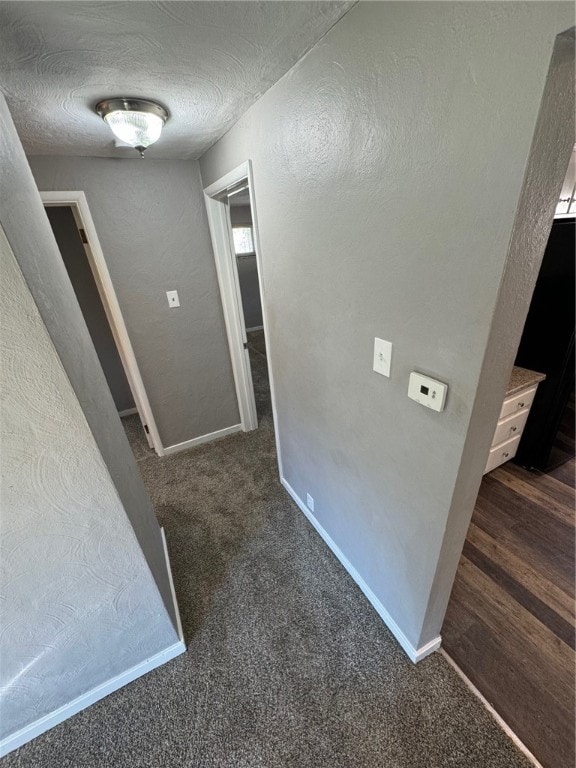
x=173, y=300
x=382, y=356
x=427, y=391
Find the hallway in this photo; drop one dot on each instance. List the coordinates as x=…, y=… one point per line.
x=287, y=663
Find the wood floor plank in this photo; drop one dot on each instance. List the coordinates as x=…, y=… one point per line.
x=540, y=493
x=566, y=474
x=549, y=540
x=541, y=586
x=510, y=620
x=524, y=544
x=543, y=726
x=524, y=507
x=513, y=587
x=520, y=632
x=547, y=482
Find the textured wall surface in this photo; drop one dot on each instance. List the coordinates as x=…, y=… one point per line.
x=151, y=222
x=206, y=62
x=78, y=602
x=387, y=168
x=66, y=233
x=27, y=229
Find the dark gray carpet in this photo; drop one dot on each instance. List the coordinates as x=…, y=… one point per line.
x=287, y=663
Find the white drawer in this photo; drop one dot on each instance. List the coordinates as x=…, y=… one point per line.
x=521, y=401
x=511, y=427
x=501, y=453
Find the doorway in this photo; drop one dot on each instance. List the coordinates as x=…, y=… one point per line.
x=74, y=231
x=242, y=226
x=230, y=204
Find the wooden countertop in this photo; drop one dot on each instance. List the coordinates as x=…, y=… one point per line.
x=522, y=378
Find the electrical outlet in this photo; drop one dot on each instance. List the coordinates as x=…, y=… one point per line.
x=310, y=502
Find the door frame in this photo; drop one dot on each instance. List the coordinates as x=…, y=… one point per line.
x=83, y=218
x=227, y=272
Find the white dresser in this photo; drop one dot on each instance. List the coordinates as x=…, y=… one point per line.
x=513, y=416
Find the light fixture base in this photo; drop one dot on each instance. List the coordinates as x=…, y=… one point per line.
x=121, y=103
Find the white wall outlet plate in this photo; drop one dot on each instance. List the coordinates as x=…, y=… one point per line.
x=173, y=300
x=382, y=356
x=427, y=391
x=310, y=502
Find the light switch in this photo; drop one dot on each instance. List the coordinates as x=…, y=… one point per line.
x=382, y=356
x=173, y=300
x=427, y=391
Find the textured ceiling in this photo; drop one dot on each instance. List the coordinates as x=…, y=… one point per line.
x=207, y=62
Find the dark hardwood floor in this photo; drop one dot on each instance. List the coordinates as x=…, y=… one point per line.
x=510, y=621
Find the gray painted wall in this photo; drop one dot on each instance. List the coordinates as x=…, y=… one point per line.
x=76, y=262
x=78, y=602
x=387, y=166
x=151, y=222
x=240, y=216
x=250, y=290
x=27, y=229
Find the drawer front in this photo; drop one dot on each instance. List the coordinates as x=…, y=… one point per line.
x=502, y=453
x=510, y=427
x=518, y=402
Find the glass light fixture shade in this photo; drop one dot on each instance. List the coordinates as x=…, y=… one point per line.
x=139, y=129
x=136, y=122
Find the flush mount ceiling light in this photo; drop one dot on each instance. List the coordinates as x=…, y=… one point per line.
x=136, y=122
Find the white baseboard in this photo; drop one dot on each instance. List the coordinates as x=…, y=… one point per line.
x=255, y=328
x=128, y=412
x=501, y=722
x=58, y=716
x=202, y=439
x=414, y=654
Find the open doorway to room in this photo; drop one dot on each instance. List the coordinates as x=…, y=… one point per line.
x=232, y=218
x=74, y=232
x=510, y=621
x=251, y=303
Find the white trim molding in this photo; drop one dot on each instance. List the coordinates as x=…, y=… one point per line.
x=79, y=205
x=227, y=272
x=77, y=705
x=58, y=716
x=414, y=654
x=169, y=449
